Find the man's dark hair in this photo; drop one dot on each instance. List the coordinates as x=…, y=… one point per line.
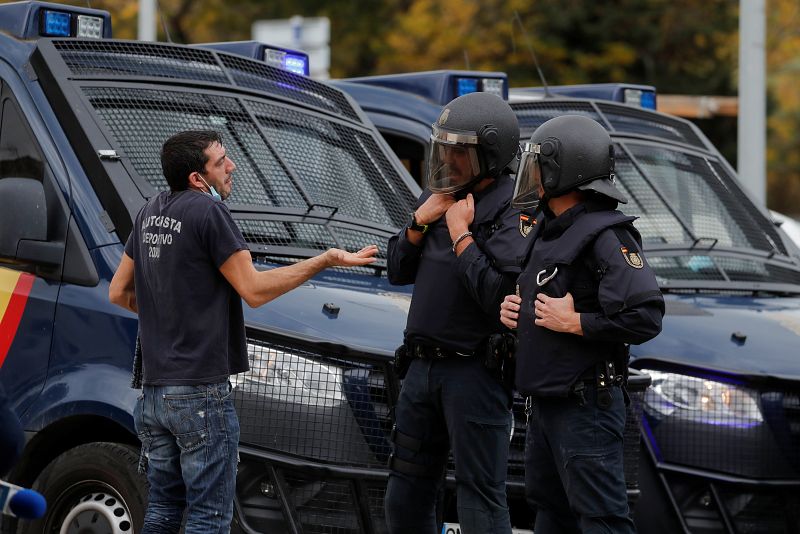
x=184, y=153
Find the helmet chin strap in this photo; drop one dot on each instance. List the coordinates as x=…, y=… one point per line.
x=470, y=187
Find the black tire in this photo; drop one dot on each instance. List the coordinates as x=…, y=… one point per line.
x=94, y=488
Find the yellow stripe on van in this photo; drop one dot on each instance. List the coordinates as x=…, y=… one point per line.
x=8, y=281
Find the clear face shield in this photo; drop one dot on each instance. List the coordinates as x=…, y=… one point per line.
x=529, y=179
x=454, y=162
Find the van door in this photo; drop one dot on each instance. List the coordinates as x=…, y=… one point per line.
x=31, y=256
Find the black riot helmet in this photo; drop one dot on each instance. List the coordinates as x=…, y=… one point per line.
x=565, y=153
x=475, y=137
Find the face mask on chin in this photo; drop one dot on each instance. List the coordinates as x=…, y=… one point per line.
x=211, y=191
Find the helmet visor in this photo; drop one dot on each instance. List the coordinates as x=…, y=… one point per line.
x=454, y=162
x=529, y=179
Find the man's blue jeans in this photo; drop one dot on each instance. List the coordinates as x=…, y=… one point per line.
x=190, y=437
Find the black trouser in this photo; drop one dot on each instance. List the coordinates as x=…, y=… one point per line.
x=453, y=402
x=574, y=475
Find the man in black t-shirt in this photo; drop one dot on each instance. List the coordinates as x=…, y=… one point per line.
x=185, y=270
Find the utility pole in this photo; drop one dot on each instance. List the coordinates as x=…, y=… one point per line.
x=147, y=20
x=752, y=128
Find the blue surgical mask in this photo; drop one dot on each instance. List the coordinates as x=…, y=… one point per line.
x=211, y=190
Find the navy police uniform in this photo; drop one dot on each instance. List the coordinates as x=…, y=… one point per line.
x=573, y=460
x=450, y=399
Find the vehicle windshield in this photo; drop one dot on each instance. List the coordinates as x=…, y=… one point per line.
x=696, y=223
x=687, y=201
x=311, y=173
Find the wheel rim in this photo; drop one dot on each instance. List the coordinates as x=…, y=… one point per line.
x=91, y=508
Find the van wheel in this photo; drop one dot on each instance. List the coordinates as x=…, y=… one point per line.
x=91, y=489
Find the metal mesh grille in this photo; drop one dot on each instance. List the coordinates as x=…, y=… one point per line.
x=142, y=119
x=742, y=202
x=286, y=234
x=340, y=166
x=337, y=165
x=314, y=406
x=685, y=267
x=323, y=506
x=631, y=120
x=762, y=512
x=375, y=497
x=255, y=75
x=722, y=426
x=750, y=270
x=120, y=58
x=656, y=222
x=532, y=114
x=747, y=508
x=354, y=240
x=701, y=200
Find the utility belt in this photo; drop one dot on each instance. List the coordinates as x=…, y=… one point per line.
x=602, y=377
x=496, y=352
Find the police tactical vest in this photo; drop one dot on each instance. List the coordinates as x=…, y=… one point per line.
x=548, y=362
x=443, y=312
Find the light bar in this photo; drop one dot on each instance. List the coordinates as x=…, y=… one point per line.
x=465, y=86
x=648, y=100
x=55, y=23
x=296, y=64
x=91, y=27
x=637, y=97
x=493, y=86
x=280, y=59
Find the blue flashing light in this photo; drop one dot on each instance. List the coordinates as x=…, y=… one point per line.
x=648, y=100
x=296, y=64
x=55, y=23
x=466, y=85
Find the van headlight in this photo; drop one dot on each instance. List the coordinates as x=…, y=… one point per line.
x=700, y=399
x=289, y=377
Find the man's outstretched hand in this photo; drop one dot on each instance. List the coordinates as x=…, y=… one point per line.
x=341, y=258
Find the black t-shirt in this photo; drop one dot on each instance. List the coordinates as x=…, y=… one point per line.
x=190, y=318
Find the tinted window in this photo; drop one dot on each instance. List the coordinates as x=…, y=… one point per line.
x=19, y=154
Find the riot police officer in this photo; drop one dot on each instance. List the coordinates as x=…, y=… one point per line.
x=463, y=250
x=586, y=292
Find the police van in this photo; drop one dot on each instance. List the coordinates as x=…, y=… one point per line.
x=82, y=120
x=720, y=434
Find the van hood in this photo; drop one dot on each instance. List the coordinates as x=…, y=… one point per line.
x=740, y=335
x=371, y=313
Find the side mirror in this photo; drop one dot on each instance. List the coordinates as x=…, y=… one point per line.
x=23, y=223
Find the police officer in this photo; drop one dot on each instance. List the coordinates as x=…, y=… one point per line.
x=463, y=249
x=585, y=293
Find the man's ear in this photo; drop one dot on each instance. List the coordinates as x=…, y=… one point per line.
x=195, y=182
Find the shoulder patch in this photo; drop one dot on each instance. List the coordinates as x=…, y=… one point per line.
x=526, y=224
x=632, y=258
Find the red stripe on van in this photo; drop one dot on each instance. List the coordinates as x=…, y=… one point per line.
x=13, y=314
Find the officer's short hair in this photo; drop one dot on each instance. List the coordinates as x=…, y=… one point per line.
x=184, y=153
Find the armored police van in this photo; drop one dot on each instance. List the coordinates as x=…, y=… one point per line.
x=83, y=117
x=721, y=425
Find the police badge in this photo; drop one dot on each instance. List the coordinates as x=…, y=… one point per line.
x=632, y=258
x=526, y=224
